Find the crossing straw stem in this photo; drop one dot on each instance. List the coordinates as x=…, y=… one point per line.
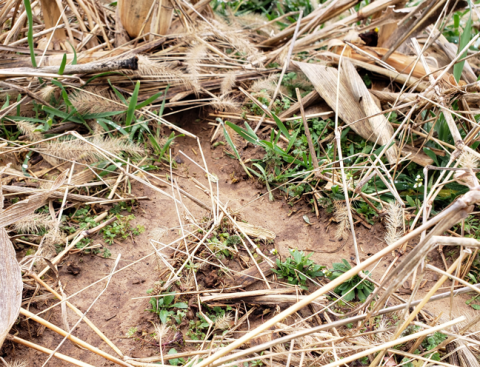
x=470, y=198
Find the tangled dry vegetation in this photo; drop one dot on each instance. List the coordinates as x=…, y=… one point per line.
x=367, y=111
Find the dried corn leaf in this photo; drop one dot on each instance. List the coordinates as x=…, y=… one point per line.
x=256, y=231
x=9, y=172
x=10, y=285
x=27, y=207
x=10, y=280
x=82, y=177
x=451, y=50
x=324, y=79
x=60, y=194
x=400, y=62
x=379, y=123
x=416, y=155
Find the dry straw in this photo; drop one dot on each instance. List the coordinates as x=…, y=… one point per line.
x=73, y=149
x=34, y=223
x=196, y=52
x=340, y=214
x=29, y=130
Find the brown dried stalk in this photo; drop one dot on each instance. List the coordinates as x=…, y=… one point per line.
x=461, y=204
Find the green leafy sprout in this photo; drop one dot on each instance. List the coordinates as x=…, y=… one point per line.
x=298, y=268
x=354, y=287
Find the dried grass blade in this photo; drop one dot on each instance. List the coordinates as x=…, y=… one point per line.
x=26, y=207
x=324, y=79
x=256, y=231
x=379, y=123
x=11, y=286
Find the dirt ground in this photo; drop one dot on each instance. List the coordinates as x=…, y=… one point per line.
x=117, y=311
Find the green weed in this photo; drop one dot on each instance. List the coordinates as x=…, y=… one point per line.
x=121, y=228
x=197, y=328
x=131, y=332
x=431, y=342
x=297, y=268
x=163, y=306
x=175, y=361
x=224, y=244
x=355, y=286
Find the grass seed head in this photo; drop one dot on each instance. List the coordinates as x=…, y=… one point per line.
x=47, y=92
x=75, y=149
x=194, y=57
x=96, y=101
x=468, y=160
x=340, y=215
x=53, y=238
x=161, y=332
x=34, y=223
x=394, y=223
x=225, y=104
x=28, y=130
x=228, y=82
x=223, y=322
x=18, y=363
x=266, y=84
x=164, y=72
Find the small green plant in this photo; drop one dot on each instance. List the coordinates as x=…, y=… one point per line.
x=163, y=306
x=106, y=253
x=256, y=363
x=196, y=328
x=297, y=268
x=175, y=361
x=364, y=361
x=179, y=316
x=121, y=228
x=431, y=342
x=218, y=315
x=131, y=332
x=470, y=303
x=352, y=287
x=224, y=243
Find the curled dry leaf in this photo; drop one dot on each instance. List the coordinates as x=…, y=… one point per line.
x=10, y=281
x=256, y=231
x=26, y=207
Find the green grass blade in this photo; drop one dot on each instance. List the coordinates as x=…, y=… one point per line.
x=148, y=100
x=74, y=61
x=107, y=73
x=117, y=93
x=281, y=126
x=28, y=10
x=114, y=125
x=25, y=164
x=292, y=141
x=61, y=114
x=261, y=169
x=156, y=147
x=133, y=104
x=167, y=144
x=162, y=107
x=62, y=65
x=464, y=39
x=19, y=97
x=243, y=133
x=89, y=116
x=7, y=102
x=105, y=127
x=230, y=142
